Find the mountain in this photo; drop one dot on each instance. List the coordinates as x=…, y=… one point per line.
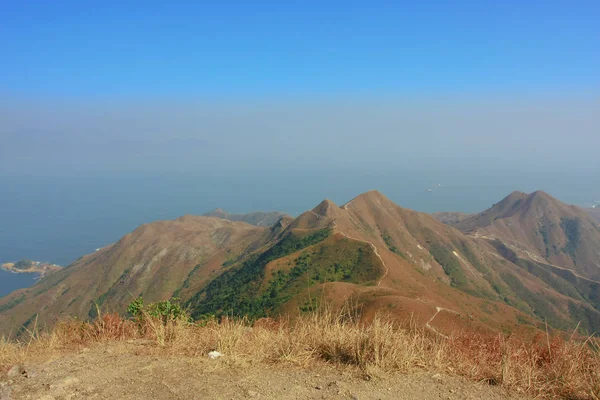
x=255, y=218
x=157, y=260
x=369, y=253
x=543, y=229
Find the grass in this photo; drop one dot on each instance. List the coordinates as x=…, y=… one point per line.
x=543, y=366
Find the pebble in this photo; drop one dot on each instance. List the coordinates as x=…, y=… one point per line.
x=253, y=394
x=16, y=371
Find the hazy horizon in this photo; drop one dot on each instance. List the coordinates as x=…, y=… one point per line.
x=120, y=114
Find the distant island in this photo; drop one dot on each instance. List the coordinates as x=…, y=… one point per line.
x=29, y=266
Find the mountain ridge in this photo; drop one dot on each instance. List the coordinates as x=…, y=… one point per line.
x=369, y=252
x=258, y=218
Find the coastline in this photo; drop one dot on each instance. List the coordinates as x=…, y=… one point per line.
x=39, y=268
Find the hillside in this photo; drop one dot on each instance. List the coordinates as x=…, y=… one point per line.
x=544, y=229
x=370, y=253
x=157, y=260
x=255, y=218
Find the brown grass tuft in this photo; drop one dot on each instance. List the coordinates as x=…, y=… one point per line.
x=544, y=366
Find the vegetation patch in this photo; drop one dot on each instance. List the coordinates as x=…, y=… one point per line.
x=186, y=282
x=450, y=264
x=572, y=229
x=544, y=232
x=392, y=247
x=554, y=281
x=343, y=261
x=537, y=303
x=11, y=304
x=23, y=264
x=97, y=305
x=235, y=291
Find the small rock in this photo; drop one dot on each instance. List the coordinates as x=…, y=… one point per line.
x=437, y=377
x=253, y=394
x=319, y=387
x=354, y=397
x=85, y=350
x=213, y=355
x=16, y=371
x=451, y=391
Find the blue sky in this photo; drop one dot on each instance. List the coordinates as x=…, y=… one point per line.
x=251, y=49
x=153, y=87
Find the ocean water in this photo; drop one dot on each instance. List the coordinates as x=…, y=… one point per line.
x=10, y=282
x=58, y=219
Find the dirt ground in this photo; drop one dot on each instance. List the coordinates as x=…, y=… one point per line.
x=135, y=371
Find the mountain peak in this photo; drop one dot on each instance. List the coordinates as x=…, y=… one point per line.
x=326, y=207
x=539, y=194
x=371, y=194
x=217, y=212
x=366, y=196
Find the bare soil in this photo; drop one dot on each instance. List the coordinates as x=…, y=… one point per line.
x=135, y=370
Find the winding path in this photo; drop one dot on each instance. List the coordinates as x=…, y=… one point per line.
x=438, y=310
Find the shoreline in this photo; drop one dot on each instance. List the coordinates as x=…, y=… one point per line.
x=38, y=268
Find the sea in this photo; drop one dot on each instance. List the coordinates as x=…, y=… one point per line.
x=57, y=219
x=10, y=281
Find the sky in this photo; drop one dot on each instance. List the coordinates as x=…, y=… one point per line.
x=149, y=87
x=118, y=113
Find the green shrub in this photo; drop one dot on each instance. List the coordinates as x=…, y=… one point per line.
x=167, y=310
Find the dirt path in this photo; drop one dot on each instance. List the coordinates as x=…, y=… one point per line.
x=437, y=311
x=531, y=256
x=132, y=371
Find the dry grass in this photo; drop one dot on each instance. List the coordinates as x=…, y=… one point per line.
x=543, y=366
